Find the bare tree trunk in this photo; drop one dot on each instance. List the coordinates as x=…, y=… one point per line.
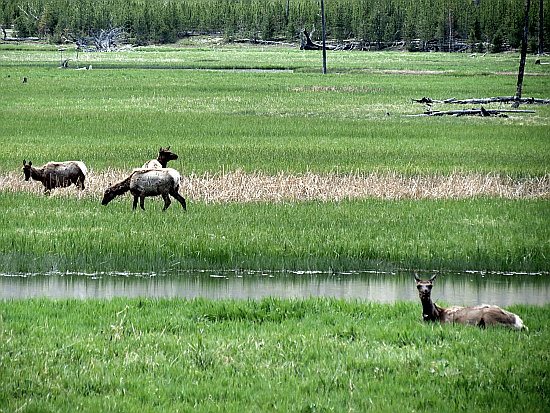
x=541, y=27
x=523, y=54
x=324, y=37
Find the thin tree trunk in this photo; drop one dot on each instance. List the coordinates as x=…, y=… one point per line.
x=523, y=54
x=324, y=37
x=541, y=27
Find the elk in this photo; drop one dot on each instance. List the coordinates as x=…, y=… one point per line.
x=162, y=160
x=57, y=174
x=479, y=315
x=148, y=182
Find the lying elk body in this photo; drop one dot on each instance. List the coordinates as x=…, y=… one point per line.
x=162, y=160
x=479, y=315
x=148, y=182
x=57, y=174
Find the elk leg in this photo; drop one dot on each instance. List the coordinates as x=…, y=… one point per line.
x=181, y=199
x=167, y=201
x=142, y=202
x=135, y=202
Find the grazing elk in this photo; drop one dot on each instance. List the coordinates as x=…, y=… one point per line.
x=148, y=182
x=479, y=315
x=57, y=174
x=162, y=160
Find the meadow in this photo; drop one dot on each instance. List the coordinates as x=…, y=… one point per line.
x=335, y=176
x=262, y=122
x=312, y=355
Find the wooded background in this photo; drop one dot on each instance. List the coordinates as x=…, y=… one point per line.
x=442, y=25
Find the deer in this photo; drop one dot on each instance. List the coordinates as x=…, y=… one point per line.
x=478, y=315
x=143, y=183
x=57, y=174
x=162, y=160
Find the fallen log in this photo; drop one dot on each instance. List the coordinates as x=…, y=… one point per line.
x=483, y=101
x=472, y=112
x=307, y=44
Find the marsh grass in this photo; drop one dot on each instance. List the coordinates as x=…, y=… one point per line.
x=268, y=355
x=238, y=186
x=333, y=173
x=67, y=234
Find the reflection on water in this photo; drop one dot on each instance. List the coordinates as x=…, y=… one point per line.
x=456, y=289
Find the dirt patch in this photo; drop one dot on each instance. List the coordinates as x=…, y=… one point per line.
x=238, y=186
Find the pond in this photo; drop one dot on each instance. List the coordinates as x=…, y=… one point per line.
x=466, y=288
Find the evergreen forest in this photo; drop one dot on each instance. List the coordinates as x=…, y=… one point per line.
x=480, y=25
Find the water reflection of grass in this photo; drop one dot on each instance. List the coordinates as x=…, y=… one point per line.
x=268, y=355
x=44, y=233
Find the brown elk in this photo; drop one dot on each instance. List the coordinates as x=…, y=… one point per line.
x=57, y=174
x=162, y=160
x=479, y=315
x=148, y=182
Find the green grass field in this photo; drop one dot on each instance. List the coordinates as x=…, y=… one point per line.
x=312, y=355
x=118, y=114
x=315, y=355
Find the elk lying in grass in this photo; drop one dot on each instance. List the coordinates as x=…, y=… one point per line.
x=57, y=174
x=148, y=182
x=479, y=315
x=162, y=160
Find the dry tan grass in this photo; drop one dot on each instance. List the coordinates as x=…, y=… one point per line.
x=238, y=186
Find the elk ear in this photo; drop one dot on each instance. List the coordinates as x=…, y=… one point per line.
x=30, y=163
x=416, y=276
x=24, y=162
x=167, y=148
x=160, y=150
x=433, y=278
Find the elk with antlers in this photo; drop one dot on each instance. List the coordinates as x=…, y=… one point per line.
x=479, y=315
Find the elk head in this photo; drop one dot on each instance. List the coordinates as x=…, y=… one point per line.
x=166, y=154
x=424, y=287
x=27, y=169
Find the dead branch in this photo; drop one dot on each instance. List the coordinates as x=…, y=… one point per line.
x=307, y=44
x=472, y=112
x=109, y=40
x=482, y=101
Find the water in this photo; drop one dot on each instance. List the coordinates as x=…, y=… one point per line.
x=457, y=289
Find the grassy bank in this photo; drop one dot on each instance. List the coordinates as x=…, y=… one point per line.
x=58, y=233
x=310, y=355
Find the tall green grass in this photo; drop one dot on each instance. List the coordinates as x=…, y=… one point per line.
x=118, y=114
x=267, y=121
x=310, y=355
x=58, y=233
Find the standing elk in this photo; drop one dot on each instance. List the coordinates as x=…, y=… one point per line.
x=148, y=182
x=57, y=174
x=162, y=160
x=479, y=315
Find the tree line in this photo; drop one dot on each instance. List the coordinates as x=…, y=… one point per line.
x=481, y=25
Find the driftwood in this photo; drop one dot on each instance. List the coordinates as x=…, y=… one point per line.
x=482, y=101
x=473, y=112
x=307, y=44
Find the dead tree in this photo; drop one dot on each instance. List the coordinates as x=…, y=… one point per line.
x=307, y=44
x=523, y=54
x=472, y=112
x=483, y=101
x=541, y=27
x=103, y=40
